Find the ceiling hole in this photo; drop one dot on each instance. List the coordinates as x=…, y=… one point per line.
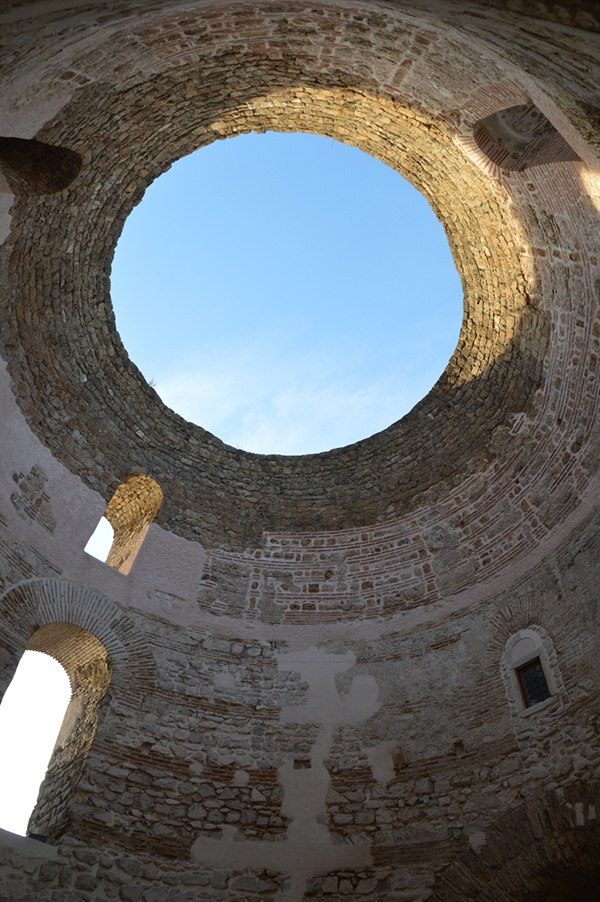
x=286, y=292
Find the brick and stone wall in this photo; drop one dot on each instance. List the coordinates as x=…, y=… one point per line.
x=298, y=686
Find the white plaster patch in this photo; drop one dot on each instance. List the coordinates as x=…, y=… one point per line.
x=25, y=847
x=381, y=760
x=309, y=848
x=24, y=112
x=224, y=680
x=325, y=705
x=300, y=860
x=477, y=840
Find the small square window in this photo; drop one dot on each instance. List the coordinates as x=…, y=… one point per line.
x=533, y=683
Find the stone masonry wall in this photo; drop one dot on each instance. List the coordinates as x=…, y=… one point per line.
x=307, y=693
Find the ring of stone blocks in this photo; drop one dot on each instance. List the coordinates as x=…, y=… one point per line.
x=152, y=103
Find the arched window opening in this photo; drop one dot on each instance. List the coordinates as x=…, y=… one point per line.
x=100, y=541
x=86, y=664
x=129, y=514
x=530, y=671
x=532, y=682
x=31, y=714
x=520, y=137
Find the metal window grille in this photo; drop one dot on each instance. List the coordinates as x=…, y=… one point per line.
x=533, y=683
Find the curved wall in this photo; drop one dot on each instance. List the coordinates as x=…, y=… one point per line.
x=309, y=695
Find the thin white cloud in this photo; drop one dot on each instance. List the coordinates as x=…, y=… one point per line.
x=265, y=400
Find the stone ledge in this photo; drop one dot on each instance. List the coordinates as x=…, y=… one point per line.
x=26, y=847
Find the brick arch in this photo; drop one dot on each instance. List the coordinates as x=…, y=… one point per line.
x=533, y=643
x=549, y=615
x=28, y=606
x=72, y=646
x=555, y=833
x=88, y=666
x=545, y=611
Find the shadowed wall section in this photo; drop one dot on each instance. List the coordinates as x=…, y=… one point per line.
x=521, y=137
x=33, y=168
x=545, y=850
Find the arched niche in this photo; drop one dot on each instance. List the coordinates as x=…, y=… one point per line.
x=33, y=168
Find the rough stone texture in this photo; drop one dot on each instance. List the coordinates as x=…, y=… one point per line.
x=130, y=512
x=295, y=682
x=31, y=499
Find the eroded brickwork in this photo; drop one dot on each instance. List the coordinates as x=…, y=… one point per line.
x=31, y=499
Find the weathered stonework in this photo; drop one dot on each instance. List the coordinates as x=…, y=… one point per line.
x=31, y=499
x=292, y=678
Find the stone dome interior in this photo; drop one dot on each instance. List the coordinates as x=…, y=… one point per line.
x=295, y=675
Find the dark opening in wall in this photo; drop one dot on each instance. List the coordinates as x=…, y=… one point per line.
x=533, y=683
x=564, y=883
x=531, y=673
x=520, y=137
x=32, y=168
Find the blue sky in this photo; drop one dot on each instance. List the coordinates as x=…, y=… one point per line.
x=287, y=292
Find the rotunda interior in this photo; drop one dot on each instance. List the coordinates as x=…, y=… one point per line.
x=369, y=672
